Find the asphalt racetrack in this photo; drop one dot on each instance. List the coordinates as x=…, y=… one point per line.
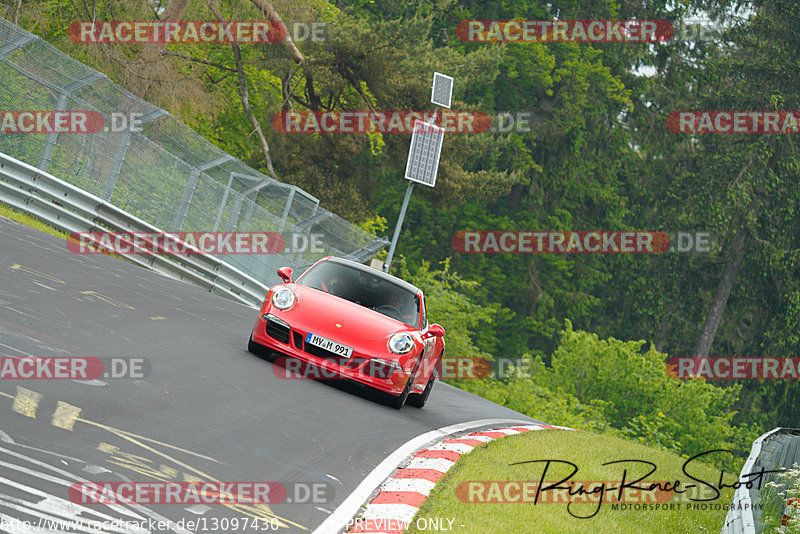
x=198, y=408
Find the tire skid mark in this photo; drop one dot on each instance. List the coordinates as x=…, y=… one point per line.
x=56, y=509
x=27, y=401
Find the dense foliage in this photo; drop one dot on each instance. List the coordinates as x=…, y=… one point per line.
x=599, y=156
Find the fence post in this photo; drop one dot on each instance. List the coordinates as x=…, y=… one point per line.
x=248, y=214
x=223, y=203
x=305, y=227
x=191, y=185
x=122, y=149
x=61, y=105
x=286, y=210
x=237, y=204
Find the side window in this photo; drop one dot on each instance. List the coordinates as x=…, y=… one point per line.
x=424, y=314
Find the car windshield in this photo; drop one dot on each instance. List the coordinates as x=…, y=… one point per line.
x=369, y=290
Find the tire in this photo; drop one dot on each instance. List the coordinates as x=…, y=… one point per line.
x=418, y=400
x=400, y=400
x=259, y=350
x=254, y=347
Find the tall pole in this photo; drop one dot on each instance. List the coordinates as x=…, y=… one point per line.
x=396, y=235
x=420, y=157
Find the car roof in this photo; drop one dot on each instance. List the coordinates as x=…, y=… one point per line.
x=398, y=281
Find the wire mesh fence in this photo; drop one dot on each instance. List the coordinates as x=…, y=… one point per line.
x=161, y=171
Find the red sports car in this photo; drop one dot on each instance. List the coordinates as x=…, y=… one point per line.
x=356, y=322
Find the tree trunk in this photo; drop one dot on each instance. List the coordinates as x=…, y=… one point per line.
x=266, y=7
x=714, y=317
x=245, y=99
x=664, y=328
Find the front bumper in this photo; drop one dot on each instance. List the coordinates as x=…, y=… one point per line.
x=279, y=336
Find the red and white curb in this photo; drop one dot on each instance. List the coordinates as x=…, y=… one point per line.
x=401, y=495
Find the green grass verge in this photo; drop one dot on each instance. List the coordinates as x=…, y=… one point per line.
x=36, y=224
x=27, y=220
x=588, y=451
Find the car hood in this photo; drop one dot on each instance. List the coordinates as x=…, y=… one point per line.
x=339, y=319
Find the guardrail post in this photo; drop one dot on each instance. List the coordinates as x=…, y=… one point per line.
x=122, y=149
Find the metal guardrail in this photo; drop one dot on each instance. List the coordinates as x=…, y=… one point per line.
x=70, y=209
x=773, y=450
x=162, y=171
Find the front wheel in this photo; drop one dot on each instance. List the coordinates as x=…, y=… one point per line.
x=399, y=401
x=254, y=347
x=260, y=350
x=418, y=400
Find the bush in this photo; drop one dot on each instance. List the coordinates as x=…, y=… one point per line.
x=600, y=385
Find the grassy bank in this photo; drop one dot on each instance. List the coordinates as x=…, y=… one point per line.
x=640, y=511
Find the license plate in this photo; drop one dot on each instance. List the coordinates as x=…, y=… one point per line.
x=329, y=344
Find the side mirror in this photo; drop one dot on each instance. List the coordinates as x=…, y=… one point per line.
x=436, y=330
x=285, y=273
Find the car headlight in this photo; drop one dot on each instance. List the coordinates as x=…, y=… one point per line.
x=401, y=343
x=283, y=298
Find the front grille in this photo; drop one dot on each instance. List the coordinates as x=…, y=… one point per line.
x=278, y=331
x=319, y=352
x=298, y=339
